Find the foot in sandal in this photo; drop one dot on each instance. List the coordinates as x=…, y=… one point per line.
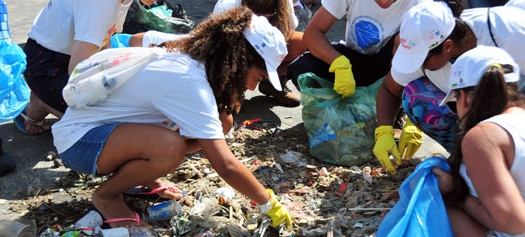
x=115, y=212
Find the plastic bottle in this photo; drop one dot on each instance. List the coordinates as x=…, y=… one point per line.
x=138, y=231
x=135, y=231
x=164, y=211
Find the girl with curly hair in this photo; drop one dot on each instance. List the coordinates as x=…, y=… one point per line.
x=143, y=129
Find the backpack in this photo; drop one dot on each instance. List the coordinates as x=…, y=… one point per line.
x=95, y=78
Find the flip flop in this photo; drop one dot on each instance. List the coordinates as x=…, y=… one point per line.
x=151, y=194
x=115, y=220
x=20, y=125
x=90, y=224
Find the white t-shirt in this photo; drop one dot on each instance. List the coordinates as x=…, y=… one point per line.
x=508, y=28
x=172, y=90
x=157, y=37
x=512, y=123
x=62, y=21
x=516, y=3
x=368, y=26
x=223, y=5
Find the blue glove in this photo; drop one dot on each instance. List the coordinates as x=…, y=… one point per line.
x=119, y=40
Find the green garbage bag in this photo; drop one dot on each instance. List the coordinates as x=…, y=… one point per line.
x=167, y=16
x=340, y=131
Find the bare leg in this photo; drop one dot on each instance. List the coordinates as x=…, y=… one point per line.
x=463, y=224
x=38, y=110
x=136, y=154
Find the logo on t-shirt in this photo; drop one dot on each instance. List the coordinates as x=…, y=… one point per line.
x=367, y=31
x=107, y=38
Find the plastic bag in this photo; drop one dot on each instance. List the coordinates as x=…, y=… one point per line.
x=14, y=92
x=420, y=211
x=95, y=78
x=167, y=16
x=340, y=131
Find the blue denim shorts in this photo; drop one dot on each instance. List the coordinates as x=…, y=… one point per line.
x=83, y=155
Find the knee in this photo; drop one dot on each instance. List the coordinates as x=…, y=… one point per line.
x=171, y=151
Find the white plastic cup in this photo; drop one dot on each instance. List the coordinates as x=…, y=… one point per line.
x=115, y=232
x=89, y=222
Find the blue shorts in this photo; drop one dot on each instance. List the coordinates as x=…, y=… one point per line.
x=420, y=101
x=83, y=155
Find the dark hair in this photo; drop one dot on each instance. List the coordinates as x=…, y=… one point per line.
x=220, y=44
x=490, y=97
x=455, y=6
x=278, y=12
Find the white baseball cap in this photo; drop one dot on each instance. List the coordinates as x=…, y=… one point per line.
x=468, y=69
x=269, y=42
x=424, y=27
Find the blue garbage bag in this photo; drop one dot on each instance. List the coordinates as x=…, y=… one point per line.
x=420, y=211
x=14, y=92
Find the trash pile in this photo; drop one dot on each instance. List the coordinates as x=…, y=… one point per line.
x=323, y=199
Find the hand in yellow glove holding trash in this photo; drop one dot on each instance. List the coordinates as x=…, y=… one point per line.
x=410, y=140
x=276, y=211
x=386, y=146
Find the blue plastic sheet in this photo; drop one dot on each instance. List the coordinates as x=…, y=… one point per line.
x=420, y=211
x=14, y=92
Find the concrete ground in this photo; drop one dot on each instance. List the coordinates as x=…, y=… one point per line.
x=35, y=171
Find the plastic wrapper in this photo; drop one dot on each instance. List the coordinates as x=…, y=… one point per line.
x=14, y=92
x=420, y=210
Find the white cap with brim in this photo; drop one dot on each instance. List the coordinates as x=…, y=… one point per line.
x=269, y=42
x=468, y=69
x=424, y=27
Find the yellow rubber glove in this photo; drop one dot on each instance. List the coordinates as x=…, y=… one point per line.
x=276, y=211
x=344, y=83
x=410, y=140
x=386, y=146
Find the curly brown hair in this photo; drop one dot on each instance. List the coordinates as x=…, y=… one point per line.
x=219, y=43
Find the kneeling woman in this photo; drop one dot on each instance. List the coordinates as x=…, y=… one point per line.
x=197, y=79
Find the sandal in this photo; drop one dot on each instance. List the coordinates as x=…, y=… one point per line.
x=20, y=125
x=151, y=194
x=95, y=219
x=115, y=220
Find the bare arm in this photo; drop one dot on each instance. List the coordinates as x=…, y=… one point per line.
x=315, y=39
x=488, y=152
x=193, y=146
x=232, y=170
x=388, y=101
x=81, y=51
x=136, y=40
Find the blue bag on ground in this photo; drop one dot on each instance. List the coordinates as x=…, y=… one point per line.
x=340, y=131
x=14, y=92
x=420, y=211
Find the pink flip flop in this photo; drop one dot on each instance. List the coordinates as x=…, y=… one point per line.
x=147, y=193
x=115, y=220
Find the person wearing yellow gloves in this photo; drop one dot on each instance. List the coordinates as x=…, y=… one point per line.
x=365, y=54
x=409, y=142
x=134, y=140
x=432, y=36
x=276, y=211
